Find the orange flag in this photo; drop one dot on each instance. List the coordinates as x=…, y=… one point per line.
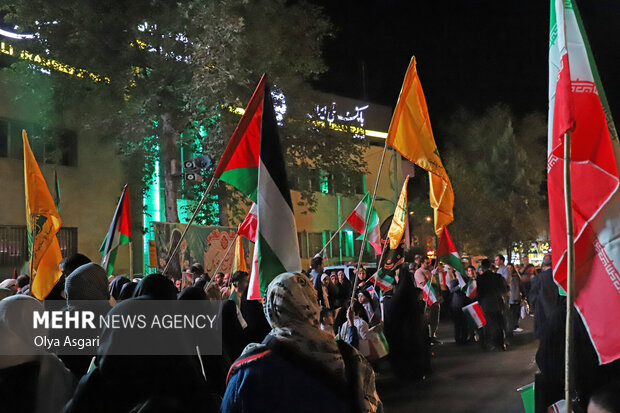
x=43, y=222
x=239, y=264
x=410, y=134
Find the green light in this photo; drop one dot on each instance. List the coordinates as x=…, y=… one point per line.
x=324, y=183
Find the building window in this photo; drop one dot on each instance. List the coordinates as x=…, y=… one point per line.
x=338, y=183
x=4, y=138
x=14, y=244
x=59, y=149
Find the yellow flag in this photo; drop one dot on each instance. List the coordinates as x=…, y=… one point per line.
x=239, y=264
x=43, y=222
x=397, y=227
x=410, y=134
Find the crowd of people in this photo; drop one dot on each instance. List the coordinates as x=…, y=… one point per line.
x=316, y=339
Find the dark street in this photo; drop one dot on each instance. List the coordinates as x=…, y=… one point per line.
x=466, y=378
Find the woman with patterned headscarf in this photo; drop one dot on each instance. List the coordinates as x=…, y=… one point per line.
x=304, y=364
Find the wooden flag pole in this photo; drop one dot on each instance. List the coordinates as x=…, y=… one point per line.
x=190, y=222
x=368, y=215
x=130, y=260
x=222, y=261
x=570, y=274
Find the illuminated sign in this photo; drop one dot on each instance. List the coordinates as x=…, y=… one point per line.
x=8, y=49
x=327, y=118
x=328, y=121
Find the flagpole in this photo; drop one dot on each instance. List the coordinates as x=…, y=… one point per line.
x=570, y=274
x=368, y=215
x=32, y=230
x=383, y=248
x=130, y=260
x=331, y=239
x=222, y=261
x=189, y=223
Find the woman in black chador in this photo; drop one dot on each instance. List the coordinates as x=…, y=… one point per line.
x=405, y=332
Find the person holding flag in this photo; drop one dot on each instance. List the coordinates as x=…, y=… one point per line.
x=423, y=278
x=491, y=288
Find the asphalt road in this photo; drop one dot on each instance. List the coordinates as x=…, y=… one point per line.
x=466, y=378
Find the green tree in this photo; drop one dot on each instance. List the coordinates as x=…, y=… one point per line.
x=497, y=166
x=174, y=69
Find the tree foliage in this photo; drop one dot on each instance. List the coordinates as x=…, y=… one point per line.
x=174, y=69
x=496, y=162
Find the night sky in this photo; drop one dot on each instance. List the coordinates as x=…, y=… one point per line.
x=470, y=53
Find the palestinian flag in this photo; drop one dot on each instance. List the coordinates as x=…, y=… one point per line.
x=447, y=253
x=472, y=289
x=382, y=279
x=239, y=163
x=362, y=214
x=429, y=294
x=253, y=163
x=474, y=311
x=118, y=234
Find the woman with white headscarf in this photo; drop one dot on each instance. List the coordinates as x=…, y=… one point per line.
x=31, y=380
x=307, y=369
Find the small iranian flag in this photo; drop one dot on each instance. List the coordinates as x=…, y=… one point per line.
x=429, y=294
x=383, y=280
x=557, y=407
x=358, y=218
x=474, y=311
x=472, y=289
x=118, y=234
x=446, y=251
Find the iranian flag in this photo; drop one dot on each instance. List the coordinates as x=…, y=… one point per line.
x=382, y=280
x=358, y=218
x=472, y=289
x=118, y=234
x=577, y=103
x=253, y=163
x=474, y=311
x=447, y=253
x=429, y=294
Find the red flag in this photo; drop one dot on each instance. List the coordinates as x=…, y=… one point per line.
x=249, y=226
